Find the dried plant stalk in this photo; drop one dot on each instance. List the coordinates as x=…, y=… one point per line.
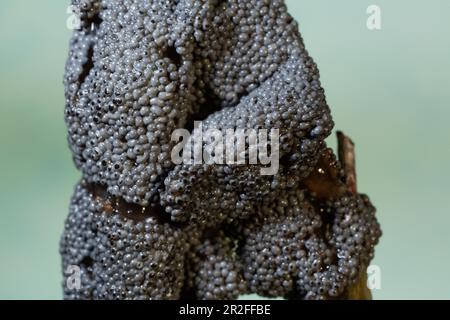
x=346, y=154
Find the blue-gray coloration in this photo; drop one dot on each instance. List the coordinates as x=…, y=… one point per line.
x=139, y=69
x=120, y=258
x=290, y=248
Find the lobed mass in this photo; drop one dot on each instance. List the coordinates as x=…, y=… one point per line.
x=141, y=227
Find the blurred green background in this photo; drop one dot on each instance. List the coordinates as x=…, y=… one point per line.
x=389, y=90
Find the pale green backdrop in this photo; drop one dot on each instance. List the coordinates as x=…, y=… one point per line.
x=389, y=89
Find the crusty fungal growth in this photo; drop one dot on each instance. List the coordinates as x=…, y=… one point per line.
x=141, y=226
x=315, y=250
x=145, y=68
x=120, y=258
x=274, y=244
x=215, y=270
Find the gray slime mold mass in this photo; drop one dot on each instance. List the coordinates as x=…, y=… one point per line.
x=141, y=227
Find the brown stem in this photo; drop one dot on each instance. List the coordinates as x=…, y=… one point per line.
x=346, y=154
